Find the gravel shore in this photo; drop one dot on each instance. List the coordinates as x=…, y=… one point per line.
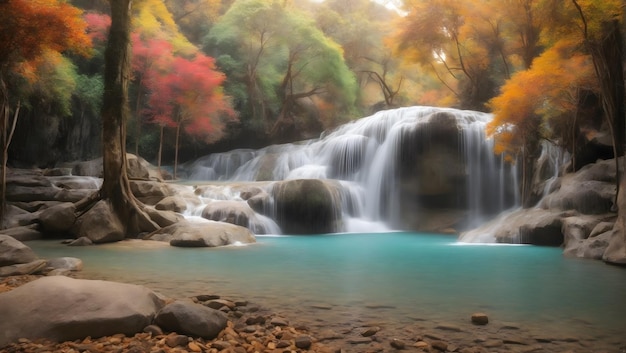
x=252, y=328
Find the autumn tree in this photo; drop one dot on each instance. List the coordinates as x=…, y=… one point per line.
x=30, y=29
x=115, y=188
x=187, y=95
x=532, y=101
x=274, y=66
x=472, y=46
x=360, y=27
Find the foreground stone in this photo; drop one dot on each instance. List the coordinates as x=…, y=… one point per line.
x=60, y=308
x=191, y=319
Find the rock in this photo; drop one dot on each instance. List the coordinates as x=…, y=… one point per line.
x=64, y=309
x=174, y=340
x=397, y=344
x=59, y=218
x=307, y=206
x=23, y=269
x=439, y=345
x=138, y=168
x=100, y=224
x=24, y=233
x=234, y=212
x=203, y=234
x=219, y=303
x=164, y=218
x=153, y=330
x=370, y=331
x=303, y=342
x=82, y=241
x=172, y=203
x=66, y=263
x=13, y=251
x=279, y=321
x=421, y=345
x=480, y=319
x=601, y=227
x=150, y=192
x=191, y=319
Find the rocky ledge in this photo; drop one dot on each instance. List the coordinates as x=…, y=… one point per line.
x=576, y=213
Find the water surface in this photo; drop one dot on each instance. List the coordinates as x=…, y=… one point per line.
x=391, y=277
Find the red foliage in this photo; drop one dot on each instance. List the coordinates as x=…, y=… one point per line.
x=98, y=26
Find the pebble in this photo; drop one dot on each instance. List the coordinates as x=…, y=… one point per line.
x=370, y=331
x=480, y=319
x=176, y=340
x=439, y=345
x=303, y=342
x=397, y=344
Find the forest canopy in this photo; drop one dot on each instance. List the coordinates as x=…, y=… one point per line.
x=210, y=75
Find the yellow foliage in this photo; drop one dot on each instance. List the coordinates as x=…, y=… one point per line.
x=153, y=19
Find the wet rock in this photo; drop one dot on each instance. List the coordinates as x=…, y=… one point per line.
x=13, y=251
x=191, y=319
x=206, y=297
x=480, y=319
x=219, y=303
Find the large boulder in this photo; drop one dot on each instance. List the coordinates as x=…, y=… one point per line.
x=307, y=206
x=14, y=252
x=138, y=168
x=203, y=234
x=100, y=224
x=191, y=319
x=59, y=218
x=60, y=308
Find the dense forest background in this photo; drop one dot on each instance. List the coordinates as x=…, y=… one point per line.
x=211, y=75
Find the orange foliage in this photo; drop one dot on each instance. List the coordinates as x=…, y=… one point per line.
x=548, y=89
x=30, y=27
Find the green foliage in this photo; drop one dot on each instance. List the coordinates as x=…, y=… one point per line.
x=88, y=92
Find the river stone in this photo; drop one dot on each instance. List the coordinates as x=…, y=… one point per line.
x=82, y=241
x=59, y=218
x=203, y=234
x=13, y=251
x=100, y=224
x=192, y=319
x=480, y=319
x=60, y=308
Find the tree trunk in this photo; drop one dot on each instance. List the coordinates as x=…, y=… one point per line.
x=176, y=148
x=116, y=185
x=4, y=118
x=162, y=128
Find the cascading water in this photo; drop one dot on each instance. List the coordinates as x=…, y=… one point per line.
x=396, y=169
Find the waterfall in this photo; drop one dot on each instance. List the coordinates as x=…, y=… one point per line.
x=394, y=167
